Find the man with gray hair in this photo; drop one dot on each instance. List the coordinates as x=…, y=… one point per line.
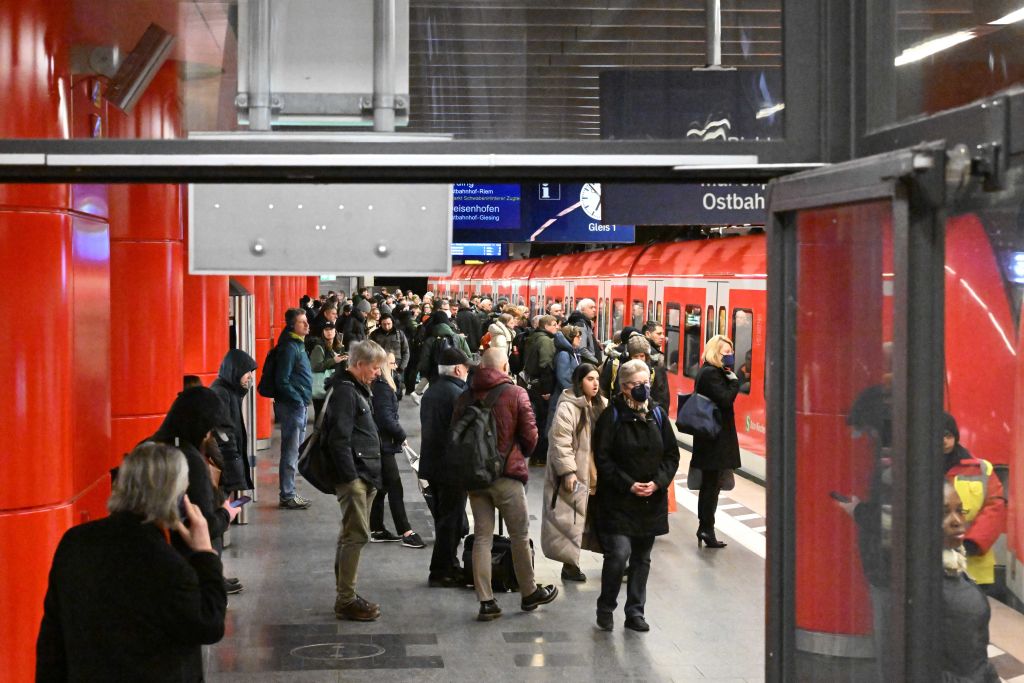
x=583, y=317
x=449, y=508
x=352, y=442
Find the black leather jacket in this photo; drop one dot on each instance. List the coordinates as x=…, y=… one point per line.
x=351, y=433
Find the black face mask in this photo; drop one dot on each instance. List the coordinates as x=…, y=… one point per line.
x=640, y=393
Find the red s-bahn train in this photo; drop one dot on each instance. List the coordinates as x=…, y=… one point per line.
x=704, y=287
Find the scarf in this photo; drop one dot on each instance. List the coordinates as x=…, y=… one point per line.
x=954, y=561
x=636, y=406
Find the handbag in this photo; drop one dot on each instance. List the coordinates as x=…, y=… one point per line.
x=698, y=415
x=695, y=475
x=315, y=464
x=590, y=540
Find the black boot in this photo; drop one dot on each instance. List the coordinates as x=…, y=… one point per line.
x=706, y=535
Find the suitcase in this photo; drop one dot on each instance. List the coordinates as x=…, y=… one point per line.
x=503, y=571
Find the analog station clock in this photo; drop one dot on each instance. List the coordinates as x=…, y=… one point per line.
x=590, y=200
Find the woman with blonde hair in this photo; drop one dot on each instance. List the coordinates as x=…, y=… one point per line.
x=570, y=478
x=392, y=439
x=718, y=382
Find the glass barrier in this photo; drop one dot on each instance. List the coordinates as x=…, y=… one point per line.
x=844, y=438
x=940, y=55
x=485, y=70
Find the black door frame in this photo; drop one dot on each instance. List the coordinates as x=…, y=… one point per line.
x=913, y=180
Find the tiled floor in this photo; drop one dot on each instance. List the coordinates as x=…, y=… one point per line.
x=705, y=608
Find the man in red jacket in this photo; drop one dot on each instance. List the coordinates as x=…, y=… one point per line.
x=516, y=435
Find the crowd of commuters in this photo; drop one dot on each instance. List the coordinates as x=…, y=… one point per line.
x=594, y=416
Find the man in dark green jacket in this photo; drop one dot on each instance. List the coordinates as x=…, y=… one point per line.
x=539, y=366
x=293, y=389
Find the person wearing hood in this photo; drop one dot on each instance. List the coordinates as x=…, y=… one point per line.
x=515, y=435
x=984, y=500
x=439, y=336
x=234, y=380
x=502, y=333
x=570, y=477
x=469, y=322
x=355, y=326
x=583, y=317
x=194, y=414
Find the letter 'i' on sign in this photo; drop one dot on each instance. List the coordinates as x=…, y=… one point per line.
x=545, y=191
x=550, y=191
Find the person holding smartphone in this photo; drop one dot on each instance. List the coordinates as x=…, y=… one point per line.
x=570, y=477
x=121, y=603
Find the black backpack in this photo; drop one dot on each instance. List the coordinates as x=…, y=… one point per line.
x=440, y=344
x=517, y=354
x=473, y=444
x=267, y=388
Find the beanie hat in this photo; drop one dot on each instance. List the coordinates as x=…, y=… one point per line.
x=363, y=306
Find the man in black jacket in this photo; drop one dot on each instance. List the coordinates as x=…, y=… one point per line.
x=353, y=444
x=392, y=339
x=234, y=380
x=583, y=317
x=469, y=324
x=449, y=511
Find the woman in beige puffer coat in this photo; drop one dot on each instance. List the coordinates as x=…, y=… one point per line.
x=570, y=477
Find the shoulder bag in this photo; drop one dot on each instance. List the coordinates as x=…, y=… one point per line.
x=697, y=414
x=315, y=464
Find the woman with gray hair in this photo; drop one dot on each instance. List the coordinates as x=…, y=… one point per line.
x=637, y=457
x=122, y=604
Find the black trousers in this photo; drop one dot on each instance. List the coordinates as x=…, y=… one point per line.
x=618, y=551
x=394, y=492
x=540, y=412
x=707, y=499
x=450, y=525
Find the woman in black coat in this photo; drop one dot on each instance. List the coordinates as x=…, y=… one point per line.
x=232, y=384
x=392, y=438
x=122, y=604
x=636, y=455
x=718, y=382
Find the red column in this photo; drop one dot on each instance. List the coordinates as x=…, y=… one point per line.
x=205, y=325
x=55, y=303
x=313, y=285
x=146, y=277
x=264, y=406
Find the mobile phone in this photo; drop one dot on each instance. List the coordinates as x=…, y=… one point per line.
x=840, y=497
x=239, y=502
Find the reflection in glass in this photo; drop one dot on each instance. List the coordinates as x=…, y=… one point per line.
x=691, y=341
x=743, y=338
x=844, y=456
x=942, y=55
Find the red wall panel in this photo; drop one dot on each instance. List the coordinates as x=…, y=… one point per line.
x=205, y=324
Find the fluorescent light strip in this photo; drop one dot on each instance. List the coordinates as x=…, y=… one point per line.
x=933, y=46
x=1011, y=18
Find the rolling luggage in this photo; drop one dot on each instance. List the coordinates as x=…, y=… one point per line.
x=503, y=571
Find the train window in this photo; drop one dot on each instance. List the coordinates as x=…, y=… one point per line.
x=691, y=340
x=533, y=304
x=618, y=311
x=601, y=318
x=723, y=320
x=657, y=313
x=709, y=331
x=743, y=338
x=638, y=314
x=672, y=339
x=650, y=311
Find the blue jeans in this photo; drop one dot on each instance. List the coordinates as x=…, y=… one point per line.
x=292, y=419
x=618, y=550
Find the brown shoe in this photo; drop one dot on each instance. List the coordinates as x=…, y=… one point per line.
x=357, y=610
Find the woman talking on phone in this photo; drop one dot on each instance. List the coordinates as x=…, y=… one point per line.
x=122, y=604
x=570, y=477
x=718, y=382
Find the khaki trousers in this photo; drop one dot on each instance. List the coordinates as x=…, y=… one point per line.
x=508, y=496
x=354, y=498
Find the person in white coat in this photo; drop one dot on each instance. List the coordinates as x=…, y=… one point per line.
x=570, y=476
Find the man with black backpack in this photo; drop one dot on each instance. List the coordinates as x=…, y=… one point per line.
x=493, y=428
x=292, y=392
x=449, y=509
x=439, y=337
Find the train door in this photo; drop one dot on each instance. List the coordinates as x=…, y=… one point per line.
x=655, y=301
x=569, y=298
x=716, y=306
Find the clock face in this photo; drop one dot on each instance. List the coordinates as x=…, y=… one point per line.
x=590, y=200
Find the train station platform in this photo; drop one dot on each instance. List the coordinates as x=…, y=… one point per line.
x=705, y=607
